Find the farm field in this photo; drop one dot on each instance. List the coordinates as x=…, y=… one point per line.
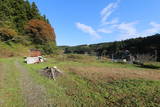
x=86, y=82
x=103, y=53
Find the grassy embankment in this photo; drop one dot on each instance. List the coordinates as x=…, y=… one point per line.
x=13, y=49
x=89, y=83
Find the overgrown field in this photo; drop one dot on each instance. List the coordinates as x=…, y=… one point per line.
x=86, y=82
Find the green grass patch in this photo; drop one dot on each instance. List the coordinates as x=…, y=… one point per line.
x=10, y=91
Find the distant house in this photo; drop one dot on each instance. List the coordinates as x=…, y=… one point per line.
x=123, y=56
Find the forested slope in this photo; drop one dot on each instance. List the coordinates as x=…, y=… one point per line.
x=21, y=23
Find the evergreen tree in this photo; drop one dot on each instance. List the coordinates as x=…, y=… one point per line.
x=45, y=19
x=27, y=7
x=5, y=10
x=34, y=11
x=19, y=12
x=19, y=15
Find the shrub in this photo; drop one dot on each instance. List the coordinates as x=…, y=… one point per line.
x=49, y=48
x=7, y=34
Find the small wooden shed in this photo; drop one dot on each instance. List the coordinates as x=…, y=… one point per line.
x=35, y=53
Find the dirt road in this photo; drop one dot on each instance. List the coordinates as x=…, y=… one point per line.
x=34, y=94
x=17, y=87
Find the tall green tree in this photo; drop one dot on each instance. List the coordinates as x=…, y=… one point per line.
x=27, y=7
x=35, y=12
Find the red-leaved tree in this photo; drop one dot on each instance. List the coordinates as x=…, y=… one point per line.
x=40, y=31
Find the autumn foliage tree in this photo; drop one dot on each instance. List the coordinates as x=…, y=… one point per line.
x=41, y=33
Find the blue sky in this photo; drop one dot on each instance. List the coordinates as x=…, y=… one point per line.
x=94, y=21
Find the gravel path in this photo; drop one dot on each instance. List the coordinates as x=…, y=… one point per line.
x=34, y=94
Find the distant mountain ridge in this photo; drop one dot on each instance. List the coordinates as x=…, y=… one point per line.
x=142, y=45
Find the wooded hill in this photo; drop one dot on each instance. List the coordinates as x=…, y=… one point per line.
x=22, y=23
x=149, y=46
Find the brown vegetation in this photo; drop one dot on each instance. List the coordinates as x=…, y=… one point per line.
x=40, y=31
x=109, y=73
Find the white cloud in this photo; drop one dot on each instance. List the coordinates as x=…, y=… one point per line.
x=155, y=29
x=107, y=11
x=127, y=30
x=88, y=29
x=113, y=21
x=103, y=30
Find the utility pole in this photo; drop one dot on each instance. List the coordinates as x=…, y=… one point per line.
x=156, y=53
x=112, y=57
